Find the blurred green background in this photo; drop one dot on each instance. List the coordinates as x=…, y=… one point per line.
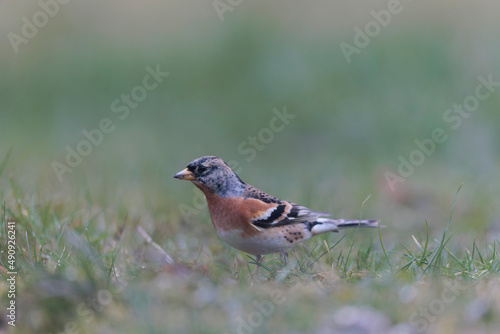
x=352, y=119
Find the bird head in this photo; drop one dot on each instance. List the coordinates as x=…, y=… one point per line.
x=212, y=175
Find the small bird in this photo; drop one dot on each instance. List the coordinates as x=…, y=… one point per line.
x=251, y=220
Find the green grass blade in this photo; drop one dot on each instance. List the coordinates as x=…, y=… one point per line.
x=383, y=248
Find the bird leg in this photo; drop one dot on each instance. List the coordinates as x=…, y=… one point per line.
x=258, y=260
x=284, y=257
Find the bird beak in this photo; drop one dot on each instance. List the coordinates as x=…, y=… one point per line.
x=185, y=174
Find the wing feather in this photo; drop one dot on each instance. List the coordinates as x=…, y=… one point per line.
x=268, y=211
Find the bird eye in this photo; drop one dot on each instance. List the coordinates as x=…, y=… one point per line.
x=202, y=169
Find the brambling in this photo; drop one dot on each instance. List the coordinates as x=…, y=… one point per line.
x=251, y=220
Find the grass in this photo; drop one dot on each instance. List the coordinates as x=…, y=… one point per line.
x=90, y=271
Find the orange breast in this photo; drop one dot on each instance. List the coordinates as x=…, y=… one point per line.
x=232, y=214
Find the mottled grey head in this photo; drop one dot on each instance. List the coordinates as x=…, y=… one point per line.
x=212, y=174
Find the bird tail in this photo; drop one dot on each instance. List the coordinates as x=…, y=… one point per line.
x=322, y=225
